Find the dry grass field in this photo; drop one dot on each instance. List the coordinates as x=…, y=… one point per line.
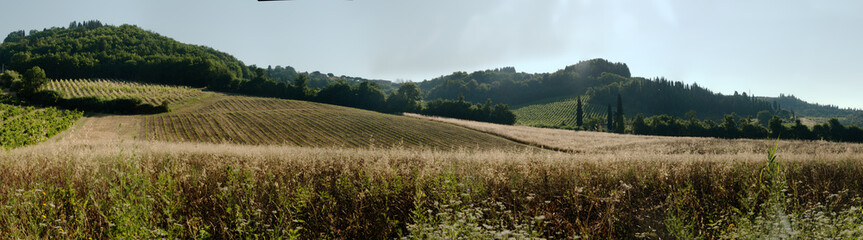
x=606, y=187
x=589, y=142
x=227, y=167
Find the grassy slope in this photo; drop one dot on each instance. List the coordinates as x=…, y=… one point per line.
x=252, y=120
x=200, y=116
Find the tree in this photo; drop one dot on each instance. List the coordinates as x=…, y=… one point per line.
x=639, y=126
x=579, y=113
x=801, y=131
x=34, y=79
x=764, y=117
x=10, y=78
x=369, y=96
x=501, y=114
x=694, y=127
x=837, y=131
x=609, y=119
x=405, y=99
x=730, y=126
x=620, y=124
x=14, y=36
x=776, y=128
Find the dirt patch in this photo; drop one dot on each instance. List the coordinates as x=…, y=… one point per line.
x=102, y=128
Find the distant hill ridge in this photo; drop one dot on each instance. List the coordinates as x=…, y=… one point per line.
x=94, y=50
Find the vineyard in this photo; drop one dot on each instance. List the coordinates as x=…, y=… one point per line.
x=104, y=89
x=251, y=120
x=553, y=113
x=20, y=126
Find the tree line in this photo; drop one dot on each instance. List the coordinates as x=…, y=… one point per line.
x=731, y=126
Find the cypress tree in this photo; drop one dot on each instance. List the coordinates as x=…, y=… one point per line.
x=610, y=124
x=620, y=125
x=579, y=113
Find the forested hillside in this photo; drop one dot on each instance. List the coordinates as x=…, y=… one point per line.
x=598, y=80
x=661, y=96
x=847, y=116
x=94, y=50
x=507, y=86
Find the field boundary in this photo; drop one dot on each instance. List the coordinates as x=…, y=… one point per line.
x=514, y=139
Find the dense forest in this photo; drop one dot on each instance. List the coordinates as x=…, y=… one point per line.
x=318, y=80
x=507, y=86
x=733, y=126
x=660, y=96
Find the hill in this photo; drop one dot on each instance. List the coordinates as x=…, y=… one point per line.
x=597, y=79
x=505, y=85
x=94, y=50
x=222, y=118
x=819, y=113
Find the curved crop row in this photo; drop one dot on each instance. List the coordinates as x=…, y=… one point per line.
x=20, y=126
x=153, y=94
x=265, y=121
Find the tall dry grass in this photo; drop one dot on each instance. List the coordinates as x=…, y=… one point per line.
x=137, y=189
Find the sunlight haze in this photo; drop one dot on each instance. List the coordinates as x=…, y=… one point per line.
x=810, y=49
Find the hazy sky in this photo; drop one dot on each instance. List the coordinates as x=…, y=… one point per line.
x=812, y=49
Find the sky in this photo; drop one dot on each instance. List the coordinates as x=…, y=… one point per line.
x=811, y=49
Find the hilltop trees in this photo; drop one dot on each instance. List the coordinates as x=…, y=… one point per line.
x=91, y=49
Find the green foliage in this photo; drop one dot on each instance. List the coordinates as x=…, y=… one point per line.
x=661, y=96
x=21, y=126
x=95, y=50
x=514, y=88
x=406, y=99
x=10, y=79
x=558, y=112
x=33, y=80
x=462, y=109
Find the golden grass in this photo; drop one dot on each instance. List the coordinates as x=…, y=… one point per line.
x=371, y=193
x=599, y=186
